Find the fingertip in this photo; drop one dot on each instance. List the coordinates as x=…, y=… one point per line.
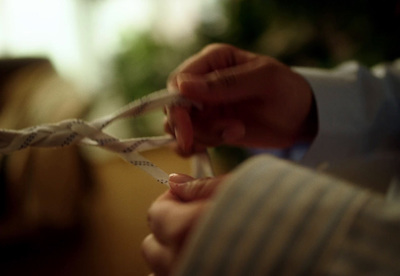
x=195, y=188
x=178, y=184
x=179, y=178
x=181, y=190
x=183, y=129
x=180, y=139
x=167, y=127
x=158, y=256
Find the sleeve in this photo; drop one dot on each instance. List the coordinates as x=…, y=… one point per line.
x=358, y=111
x=276, y=218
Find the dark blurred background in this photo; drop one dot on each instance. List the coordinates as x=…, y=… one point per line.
x=300, y=33
x=79, y=212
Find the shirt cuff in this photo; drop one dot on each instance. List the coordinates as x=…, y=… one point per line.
x=272, y=218
x=342, y=123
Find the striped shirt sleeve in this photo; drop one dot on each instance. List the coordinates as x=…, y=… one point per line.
x=276, y=218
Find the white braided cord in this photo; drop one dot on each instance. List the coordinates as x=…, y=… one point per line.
x=77, y=131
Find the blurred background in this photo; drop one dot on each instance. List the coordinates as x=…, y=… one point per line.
x=75, y=211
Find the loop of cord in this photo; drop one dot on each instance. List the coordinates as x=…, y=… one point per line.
x=77, y=131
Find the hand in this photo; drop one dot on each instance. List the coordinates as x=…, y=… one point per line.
x=173, y=216
x=248, y=100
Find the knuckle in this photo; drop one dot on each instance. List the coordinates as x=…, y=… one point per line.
x=203, y=187
x=155, y=255
x=160, y=217
x=216, y=47
x=269, y=64
x=145, y=245
x=227, y=79
x=157, y=212
x=147, y=249
x=266, y=68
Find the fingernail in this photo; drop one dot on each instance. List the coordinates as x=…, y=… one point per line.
x=178, y=183
x=179, y=178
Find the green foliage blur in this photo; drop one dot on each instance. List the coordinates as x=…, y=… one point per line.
x=299, y=33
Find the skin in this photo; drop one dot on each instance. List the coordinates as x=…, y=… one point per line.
x=172, y=217
x=246, y=100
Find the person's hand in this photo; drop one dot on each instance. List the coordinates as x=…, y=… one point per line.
x=172, y=217
x=248, y=100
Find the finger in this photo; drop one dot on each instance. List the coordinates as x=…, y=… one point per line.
x=218, y=131
x=195, y=189
x=212, y=57
x=181, y=125
x=229, y=84
x=167, y=128
x=233, y=131
x=170, y=219
x=158, y=256
x=196, y=148
x=180, y=178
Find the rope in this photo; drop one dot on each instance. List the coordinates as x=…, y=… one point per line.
x=76, y=131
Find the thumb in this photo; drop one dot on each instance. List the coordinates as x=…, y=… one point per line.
x=188, y=188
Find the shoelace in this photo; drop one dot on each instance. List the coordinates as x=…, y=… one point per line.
x=76, y=131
